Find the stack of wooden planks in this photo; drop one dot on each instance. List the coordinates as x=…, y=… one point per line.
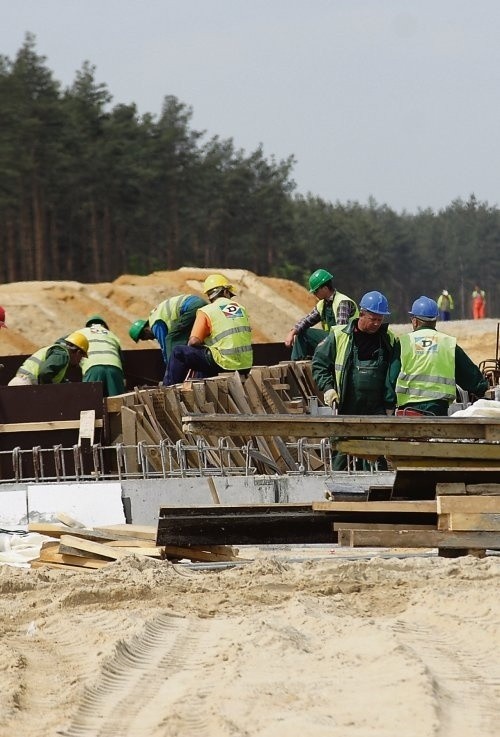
x=154, y=416
x=75, y=547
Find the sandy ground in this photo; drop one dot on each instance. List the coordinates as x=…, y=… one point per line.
x=276, y=648
x=40, y=312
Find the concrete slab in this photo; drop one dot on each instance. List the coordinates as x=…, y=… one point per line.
x=93, y=504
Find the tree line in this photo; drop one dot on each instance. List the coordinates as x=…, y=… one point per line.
x=89, y=191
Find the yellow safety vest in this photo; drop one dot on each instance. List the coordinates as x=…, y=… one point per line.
x=342, y=343
x=168, y=311
x=337, y=299
x=31, y=367
x=104, y=348
x=230, y=341
x=427, y=367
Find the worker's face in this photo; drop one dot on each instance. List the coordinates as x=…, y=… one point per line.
x=323, y=292
x=75, y=357
x=369, y=322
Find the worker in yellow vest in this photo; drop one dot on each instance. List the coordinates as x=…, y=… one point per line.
x=350, y=365
x=333, y=308
x=221, y=338
x=104, y=361
x=428, y=365
x=50, y=364
x=170, y=323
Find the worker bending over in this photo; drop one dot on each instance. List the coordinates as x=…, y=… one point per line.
x=427, y=366
x=170, y=323
x=221, y=338
x=350, y=365
x=50, y=364
x=333, y=308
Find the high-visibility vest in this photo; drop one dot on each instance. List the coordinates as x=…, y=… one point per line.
x=427, y=367
x=104, y=348
x=230, y=341
x=31, y=367
x=168, y=311
x=337, y=299
x=343, y=341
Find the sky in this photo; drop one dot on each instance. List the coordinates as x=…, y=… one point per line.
x=392, y=99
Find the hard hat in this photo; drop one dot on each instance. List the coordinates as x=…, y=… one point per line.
x=445, y=292
x=424, y=308
x=96, y=319
x=217, y=281
x=375, y=302
x=78, y=340
x=136, y=329
x=2, y=318
x=318, y=279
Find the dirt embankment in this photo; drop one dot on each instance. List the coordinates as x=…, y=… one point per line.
x=40, y=312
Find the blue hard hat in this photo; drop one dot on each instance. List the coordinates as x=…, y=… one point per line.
x=424, y=308
x=375, y=302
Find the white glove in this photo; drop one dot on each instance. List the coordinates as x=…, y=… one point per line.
x=330, y=397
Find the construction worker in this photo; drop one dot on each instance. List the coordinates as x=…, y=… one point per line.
x=350, y=365
x=427, y=366
x=221, y=338
x=2, y=318
x=169, y=323
x=50, y=364
x=478, y=303
x=445, y=305
x=104, y=361
x=333, y=308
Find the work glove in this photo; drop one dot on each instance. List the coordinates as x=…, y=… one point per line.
x=330, y=397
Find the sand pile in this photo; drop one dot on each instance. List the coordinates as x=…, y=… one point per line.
x=322, y=647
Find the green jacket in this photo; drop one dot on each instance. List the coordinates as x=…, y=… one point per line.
x=333, y=361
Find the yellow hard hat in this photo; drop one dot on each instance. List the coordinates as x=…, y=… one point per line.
x=78, y=340
x=217, y=281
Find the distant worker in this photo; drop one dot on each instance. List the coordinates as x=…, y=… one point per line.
x=221, y=338
x=170, y=323
x=427, y=366
x=445, y=305
x=2, y=318
x=332, y=309
x=104, y=362
x=350, y=365
x=478, y=303
x=50, y=364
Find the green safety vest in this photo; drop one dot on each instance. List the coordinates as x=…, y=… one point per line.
x=427, y=367
x=168, y=311
x=31, y=367
x=337, y=299
x=343, y=342
x=230, y=341
x=104, y=348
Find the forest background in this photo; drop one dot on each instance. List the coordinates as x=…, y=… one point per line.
x=89, y=191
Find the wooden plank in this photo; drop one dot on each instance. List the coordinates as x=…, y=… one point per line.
x=468, y=504
x=87, y=427
x=403, y=506
x=48, y=425
x=55, y=529
x=250, y=525
x=347, y=426
x=388, y=448
x=88, y=546
x=52, y=555
x=379, y=526
x=213, y=490
x=486, y=489
x=129, y=432
x=459, y=521
x=419, y=539
x=449, y=488
x=141, y=532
